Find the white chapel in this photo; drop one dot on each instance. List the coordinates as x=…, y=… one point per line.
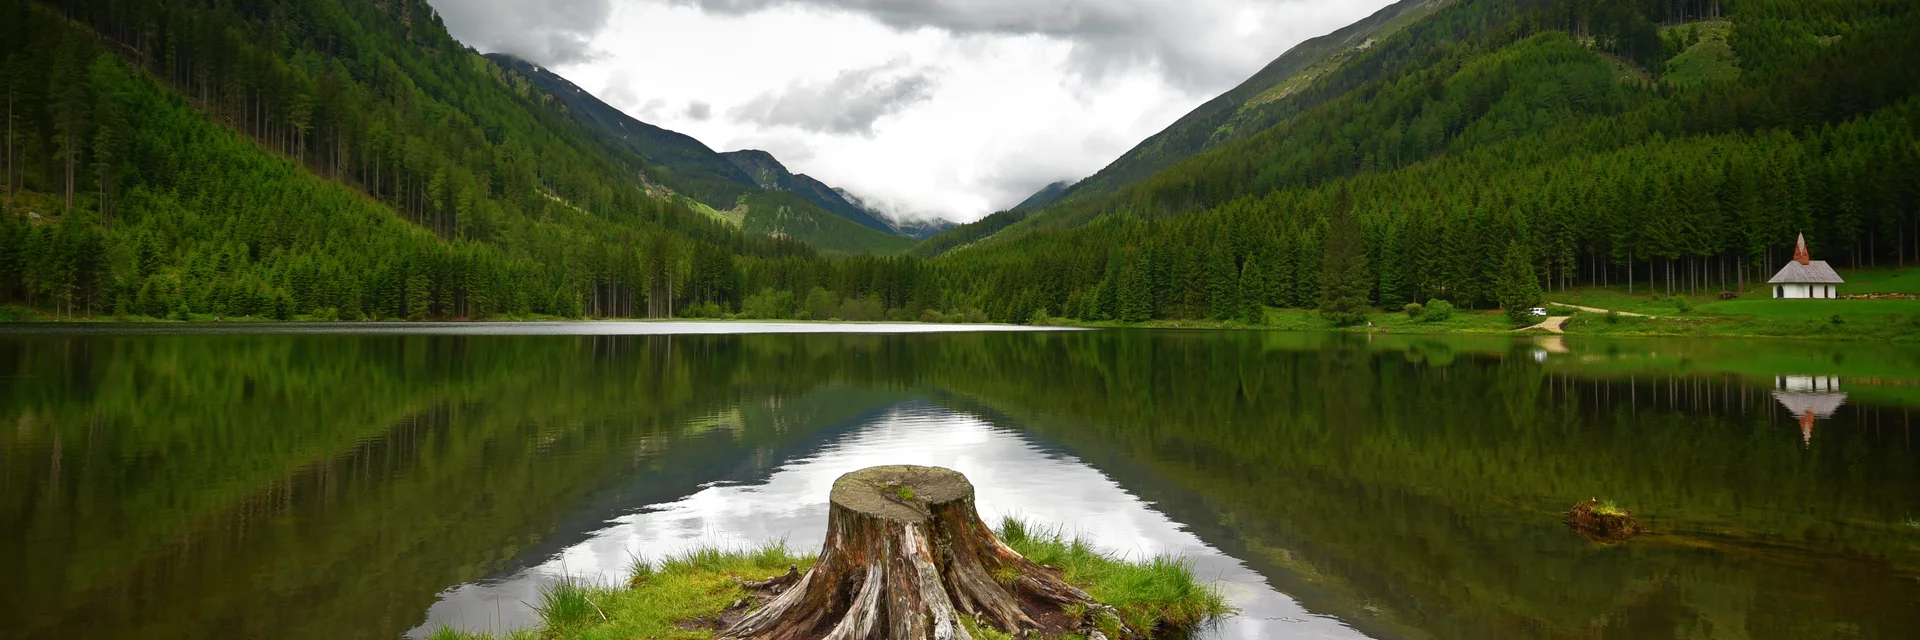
x=1805, y=277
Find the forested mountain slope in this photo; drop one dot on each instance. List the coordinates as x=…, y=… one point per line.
x=335, y=159
x=769, y=174
x=1241, y=111
x=726, y=182
x=1045, y=196
x=1562, y=142
x=681, y=162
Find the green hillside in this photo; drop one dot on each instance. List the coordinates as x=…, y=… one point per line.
x=1251, y=106
x=677, y=160
x=787, y=215
x=323, y=159
x=1566, y=143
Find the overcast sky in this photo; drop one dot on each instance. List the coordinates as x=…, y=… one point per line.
x=949, y=108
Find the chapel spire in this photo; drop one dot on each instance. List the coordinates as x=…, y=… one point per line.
x=1800, y=252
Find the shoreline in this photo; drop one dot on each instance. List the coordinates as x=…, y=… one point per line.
x=1693, y=327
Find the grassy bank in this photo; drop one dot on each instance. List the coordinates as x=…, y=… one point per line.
x=1640, y=313
x=1755, y=314
x=679, y=599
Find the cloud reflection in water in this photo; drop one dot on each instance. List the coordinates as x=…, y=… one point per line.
x=1011, y=475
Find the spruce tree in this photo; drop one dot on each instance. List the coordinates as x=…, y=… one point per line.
x=1253, y=285
x=1136, y=289
x=1343, y=274
x=1223, y=285
x=1519, y=286
x=1392, y=268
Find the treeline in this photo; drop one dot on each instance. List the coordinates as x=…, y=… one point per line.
x=1465, y=150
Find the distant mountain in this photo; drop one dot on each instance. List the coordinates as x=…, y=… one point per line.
x=918, y=229
x=734, y=185
x=922, y=229
x=769, y=174
x=1045, y=196
x=691, y=167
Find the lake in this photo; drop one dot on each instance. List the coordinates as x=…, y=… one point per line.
x=348, y=482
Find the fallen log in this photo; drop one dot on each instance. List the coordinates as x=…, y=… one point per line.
x=906, y=556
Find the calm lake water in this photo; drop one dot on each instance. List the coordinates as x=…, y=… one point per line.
x=349, y=483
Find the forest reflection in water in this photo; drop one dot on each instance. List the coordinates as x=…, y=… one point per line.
x=342, y=485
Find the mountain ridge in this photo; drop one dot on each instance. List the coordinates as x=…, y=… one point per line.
x=722, y=181
x=1210, y=123
x=767, y=172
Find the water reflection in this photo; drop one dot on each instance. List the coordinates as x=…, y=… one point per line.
x=360, y=486
x=1014, y=476
x=1809, y=398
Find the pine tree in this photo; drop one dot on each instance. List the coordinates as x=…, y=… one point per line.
x=1223, y=285
x=1253, y=282
x=1392, y=268
x=70, y=102
x=110, y=132
x=1109, y=291
x=1136, y=292
x=1343, y=279
x=1519, y=285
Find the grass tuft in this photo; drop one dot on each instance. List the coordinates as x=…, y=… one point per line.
x=1157, y=594
x=566, y=604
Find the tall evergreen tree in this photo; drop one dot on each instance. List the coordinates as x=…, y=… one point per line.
x=1343, y=275
x=1519, y=285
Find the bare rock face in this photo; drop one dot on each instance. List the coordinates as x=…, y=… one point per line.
x=906, y=556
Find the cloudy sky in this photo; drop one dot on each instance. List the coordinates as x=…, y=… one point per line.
x=948, y=108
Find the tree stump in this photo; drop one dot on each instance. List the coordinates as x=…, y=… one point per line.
x=906, y=556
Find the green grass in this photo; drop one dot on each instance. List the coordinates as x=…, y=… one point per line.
x=1155, y=593
x=1820, y=310
x=1158, y=593
x=1609, y=509
x=1881, y=280
x=1757, y=314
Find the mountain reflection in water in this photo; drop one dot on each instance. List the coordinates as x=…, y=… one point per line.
x=1012, y=475
x=359, y=485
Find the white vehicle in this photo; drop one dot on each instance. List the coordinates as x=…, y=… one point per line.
x=1537, y=312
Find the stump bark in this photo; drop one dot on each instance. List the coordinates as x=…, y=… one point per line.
x=906, y=556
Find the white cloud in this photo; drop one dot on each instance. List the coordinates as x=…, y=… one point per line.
x=954, y=108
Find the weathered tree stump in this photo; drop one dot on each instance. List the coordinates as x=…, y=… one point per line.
x=906, y=555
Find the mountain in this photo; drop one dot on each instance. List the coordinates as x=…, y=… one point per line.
x=690, y=167
x=783, y=214
x=769, y=174
x=721, y=181
x=921, y=229
x=1243, y=110
x=1457, y=150
x=916, y=228
x=1045, y=196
